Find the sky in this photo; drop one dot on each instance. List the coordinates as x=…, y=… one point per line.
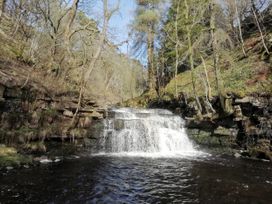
x=119, y=24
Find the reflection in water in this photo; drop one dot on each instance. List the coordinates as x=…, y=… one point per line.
x=140, y=180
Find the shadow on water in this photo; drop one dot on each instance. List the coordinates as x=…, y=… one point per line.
x=108, y=179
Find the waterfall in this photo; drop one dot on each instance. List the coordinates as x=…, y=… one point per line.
x=145, y=131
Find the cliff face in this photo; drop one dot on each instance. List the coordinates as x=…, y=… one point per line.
x=31, y=113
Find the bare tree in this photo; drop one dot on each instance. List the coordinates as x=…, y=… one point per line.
x=255, y=14
x=239, y=27
x=106, y=17
x=107, y=14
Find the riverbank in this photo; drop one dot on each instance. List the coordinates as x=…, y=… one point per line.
x=33, y=115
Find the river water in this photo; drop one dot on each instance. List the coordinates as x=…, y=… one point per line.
x=144, y=156
x=113, y=179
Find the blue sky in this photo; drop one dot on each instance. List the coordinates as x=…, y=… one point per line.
x=119, y=24
x=119, y=27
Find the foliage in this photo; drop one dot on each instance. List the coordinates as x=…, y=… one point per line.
x=44, y=34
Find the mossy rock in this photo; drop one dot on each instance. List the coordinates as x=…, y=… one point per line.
x=10, y=157
x=204, y=138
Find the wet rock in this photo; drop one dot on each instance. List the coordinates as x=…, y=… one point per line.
x=45, y=161
x=9, y=168
x=237, y=155
x=57, y=160
x=26, y=166
x=119, y=124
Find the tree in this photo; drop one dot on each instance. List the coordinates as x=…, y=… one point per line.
x=145, y=26
x=2, y=8
x=218, y=39
x=240, y=28
x=107, y=14
x=255, y=14
x=58, y=21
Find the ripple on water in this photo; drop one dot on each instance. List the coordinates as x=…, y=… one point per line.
x=108, y=179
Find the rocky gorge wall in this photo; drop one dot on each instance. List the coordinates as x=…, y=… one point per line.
x=30, y=116
x=246, y=130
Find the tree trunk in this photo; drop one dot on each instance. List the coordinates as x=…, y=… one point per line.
x=71, y=17
x=209, y=90
x=191, y=60
x=218, y=79
x=240, y=29
x=150, y=64
x=100, y=42
x=255, y=12
x=176, y=50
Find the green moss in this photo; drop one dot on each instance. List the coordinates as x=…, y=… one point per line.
x=206, y=139
x=10, y=157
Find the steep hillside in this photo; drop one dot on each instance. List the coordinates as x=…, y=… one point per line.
x=241, y=76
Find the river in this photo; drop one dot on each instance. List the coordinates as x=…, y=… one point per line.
x=113, y=179
x=143, y=157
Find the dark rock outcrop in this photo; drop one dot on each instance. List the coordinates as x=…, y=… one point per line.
x=30, y=115
x=248, y=127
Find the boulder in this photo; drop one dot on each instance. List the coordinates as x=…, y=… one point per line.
x=246, y=99
x=262, y=150
x=221, y=131
x=68, y=113
x=237, y=155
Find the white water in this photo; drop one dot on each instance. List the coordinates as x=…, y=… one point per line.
x=145, y=132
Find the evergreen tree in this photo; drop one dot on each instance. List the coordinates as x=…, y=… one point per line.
x=144, y=27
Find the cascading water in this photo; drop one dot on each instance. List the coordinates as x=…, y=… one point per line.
x=145, y=132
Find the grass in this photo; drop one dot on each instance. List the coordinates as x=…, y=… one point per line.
x=236, y=75
x=240, y=76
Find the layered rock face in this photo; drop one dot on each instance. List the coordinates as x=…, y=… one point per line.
x=247, y=126
x=29, y=115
